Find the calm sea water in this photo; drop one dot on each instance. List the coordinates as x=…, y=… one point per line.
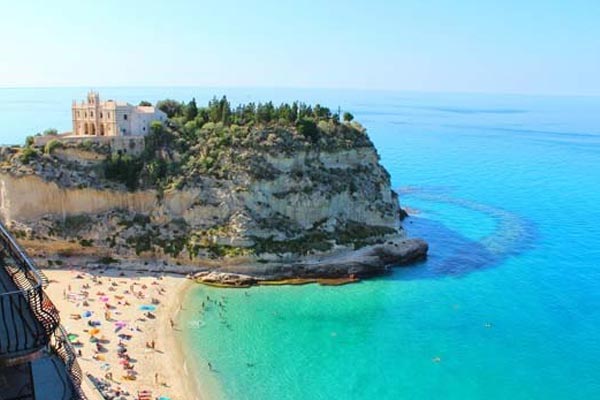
x=506, y=189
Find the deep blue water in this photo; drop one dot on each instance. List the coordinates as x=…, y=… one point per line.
x=506, y=189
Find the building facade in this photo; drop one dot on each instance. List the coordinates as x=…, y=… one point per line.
x=112, y=118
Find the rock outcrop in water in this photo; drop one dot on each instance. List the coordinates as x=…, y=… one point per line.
x=265, y=201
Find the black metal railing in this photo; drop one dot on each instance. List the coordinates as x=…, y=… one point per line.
x=29, y=320
x=62, y=348
x=20, y=332
x=28, y=317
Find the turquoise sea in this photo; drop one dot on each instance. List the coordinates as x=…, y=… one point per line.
x=505, y=188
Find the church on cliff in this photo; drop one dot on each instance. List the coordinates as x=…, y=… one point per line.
x=112, y=118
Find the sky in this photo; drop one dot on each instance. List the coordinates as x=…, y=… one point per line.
x=500, y=46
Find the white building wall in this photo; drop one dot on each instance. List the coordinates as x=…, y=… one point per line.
x=110, y=118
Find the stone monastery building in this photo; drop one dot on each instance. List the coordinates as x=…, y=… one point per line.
x=112, y=118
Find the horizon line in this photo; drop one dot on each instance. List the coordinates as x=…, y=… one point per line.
x=395, y=90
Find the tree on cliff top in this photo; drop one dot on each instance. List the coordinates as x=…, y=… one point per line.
x=191, y=110
x=170, y=107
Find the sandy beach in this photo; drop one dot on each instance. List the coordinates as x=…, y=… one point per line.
x=124, y=326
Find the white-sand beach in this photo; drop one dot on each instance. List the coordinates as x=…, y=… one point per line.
x=124, y=325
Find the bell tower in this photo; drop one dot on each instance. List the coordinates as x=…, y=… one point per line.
x=93, y=111
x=93, y=98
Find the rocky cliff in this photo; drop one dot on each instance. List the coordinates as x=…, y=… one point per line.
x=262, y=201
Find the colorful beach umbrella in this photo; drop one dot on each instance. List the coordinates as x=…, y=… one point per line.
x=94, y=331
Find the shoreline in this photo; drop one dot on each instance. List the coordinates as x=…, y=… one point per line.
x=161, y=369
x=202, y=383
x=144, y=304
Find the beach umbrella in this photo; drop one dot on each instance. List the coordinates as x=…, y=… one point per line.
x=86, y=314
x=72, y=337
x=94, y=331
x=120, y=324
x=104, y=299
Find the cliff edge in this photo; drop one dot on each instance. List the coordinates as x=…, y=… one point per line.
x=302, y=196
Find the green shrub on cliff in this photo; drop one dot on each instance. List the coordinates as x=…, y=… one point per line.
x=52, y=145
x=72, y=225
x=28, y=154
x=124, y=169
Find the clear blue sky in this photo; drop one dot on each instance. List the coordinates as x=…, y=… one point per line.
x=515, y=46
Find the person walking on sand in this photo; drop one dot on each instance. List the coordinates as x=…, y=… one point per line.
x=172, y=323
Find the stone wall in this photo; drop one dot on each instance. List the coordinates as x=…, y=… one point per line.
x=133, y=145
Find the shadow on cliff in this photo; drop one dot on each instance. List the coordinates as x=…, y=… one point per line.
x=453, y=254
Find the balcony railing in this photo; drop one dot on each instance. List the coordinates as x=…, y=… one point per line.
x=60, y=346
x=27, y=316
x=20, y=332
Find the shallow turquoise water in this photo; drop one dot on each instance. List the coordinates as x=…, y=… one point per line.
x=506, y=190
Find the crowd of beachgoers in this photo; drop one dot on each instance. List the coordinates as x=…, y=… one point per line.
x=122, y=325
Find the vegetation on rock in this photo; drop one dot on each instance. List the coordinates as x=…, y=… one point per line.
x=221, y=141
x=251, y=168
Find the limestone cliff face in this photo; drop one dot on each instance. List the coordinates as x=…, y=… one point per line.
x=28, y=198
x=307, y=206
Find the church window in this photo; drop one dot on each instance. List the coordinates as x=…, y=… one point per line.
x=125, y=117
